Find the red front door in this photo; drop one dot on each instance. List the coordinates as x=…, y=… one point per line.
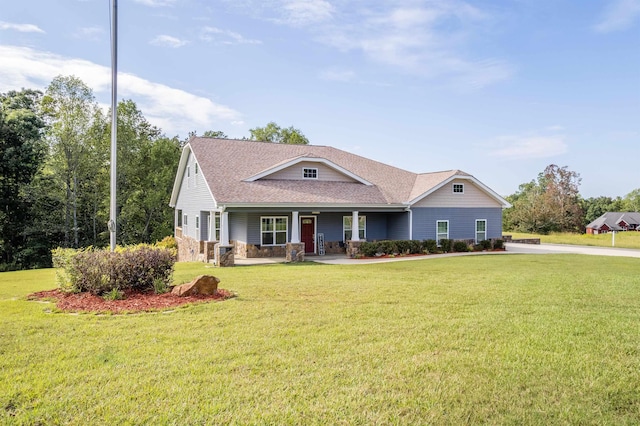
x=308, y=234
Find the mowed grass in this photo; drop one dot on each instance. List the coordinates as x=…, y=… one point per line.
x=498, y=339
x=629, y=239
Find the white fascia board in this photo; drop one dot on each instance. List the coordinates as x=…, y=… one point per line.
x=307, y=206
x=182, y=165
x=483, y=187
x=177, y=183
x=311, y=160
x=204, y=178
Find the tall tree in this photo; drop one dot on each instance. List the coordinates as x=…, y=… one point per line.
x=22, y=152
x=274, y=133
x=550, y=204
x=631, y=201
x=72, y=113
x=146, y=165
x=595, y=207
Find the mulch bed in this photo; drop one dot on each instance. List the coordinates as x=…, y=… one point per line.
x=133, y=301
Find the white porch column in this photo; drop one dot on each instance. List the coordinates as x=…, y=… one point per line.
x=295, y=228
x=212, y=225
x=355, y=229
x=224, y=228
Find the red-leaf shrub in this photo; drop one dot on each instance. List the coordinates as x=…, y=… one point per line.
x=99, y=271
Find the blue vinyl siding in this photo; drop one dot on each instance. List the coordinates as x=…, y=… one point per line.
x=398, y=226
x=238, y=226
x=462, y=221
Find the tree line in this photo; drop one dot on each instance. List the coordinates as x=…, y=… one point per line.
x=55, y=172
x=552, y=203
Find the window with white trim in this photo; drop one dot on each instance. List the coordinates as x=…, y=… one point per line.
x=179, y=218
x=347, y=228
x=458, y=188
x=197, y=222
x=309, y=173
x=216, y=225
x=274, y=230
x=481, y=230
x=442, y=230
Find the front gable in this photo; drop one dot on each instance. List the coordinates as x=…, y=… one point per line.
x=308, y=169
x=460, y=191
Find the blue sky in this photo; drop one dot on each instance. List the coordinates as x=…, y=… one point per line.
x=499, y=89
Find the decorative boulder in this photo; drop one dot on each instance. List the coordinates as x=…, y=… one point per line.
x=204, y=284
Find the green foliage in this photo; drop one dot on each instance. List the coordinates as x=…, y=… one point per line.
x=369, y=248
x=549, y=204
x=498, y=244
x=460, y=247
x=485, y=244
x=98, y=271
x=276, y=134
x=446, y=245
x=113, y=294
x=431, y=246
x=22, y=151
x=168, y=242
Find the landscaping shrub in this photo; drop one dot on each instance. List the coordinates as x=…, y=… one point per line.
x=98, y=271
x=388, y=247
x=445, y=245
x=415, y=247
x=431, y=246
x=167, y=242
x=498, y=244
x=369, y=249
x=485, y=244
x=460, y=247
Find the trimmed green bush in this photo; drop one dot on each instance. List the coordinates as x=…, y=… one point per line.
x=498, y=244
x=460, y=247
x=368, y=249
x=431, y=246
x=485, y=244
x=445, y=245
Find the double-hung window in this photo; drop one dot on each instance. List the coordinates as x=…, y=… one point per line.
x=274, y=230
x=216, y=226
x=347, y=228
x=442, y=230
x=481, y=230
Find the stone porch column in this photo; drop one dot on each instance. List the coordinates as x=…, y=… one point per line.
x=295, y=228
x=355, y=229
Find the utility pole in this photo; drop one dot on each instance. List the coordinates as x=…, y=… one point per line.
x=114, y=123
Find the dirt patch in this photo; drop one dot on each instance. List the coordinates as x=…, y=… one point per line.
x=131, y=303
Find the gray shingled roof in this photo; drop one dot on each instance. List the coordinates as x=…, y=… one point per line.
x=611, y=219
x=226, y=163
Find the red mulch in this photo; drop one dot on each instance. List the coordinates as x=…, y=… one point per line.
x=133, y=301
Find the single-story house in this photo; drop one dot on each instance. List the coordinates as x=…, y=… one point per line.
x=258, y=198
x=615, y=221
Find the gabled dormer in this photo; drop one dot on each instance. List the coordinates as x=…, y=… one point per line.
x=306, y=168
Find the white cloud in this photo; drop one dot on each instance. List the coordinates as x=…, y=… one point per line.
x=168, y=41
x=529, y=147
x=303, y=12
x=156, y=3
x=620, y=15
x=334, y=74
x=429, y=39
x=213, y=34
x=173, y=110
x=92, y=33
x=23, y=28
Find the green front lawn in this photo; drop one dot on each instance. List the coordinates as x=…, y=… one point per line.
x=629, y=239
x=515, y=339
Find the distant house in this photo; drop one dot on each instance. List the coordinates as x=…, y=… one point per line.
x=262, y=198
x=615, y=221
